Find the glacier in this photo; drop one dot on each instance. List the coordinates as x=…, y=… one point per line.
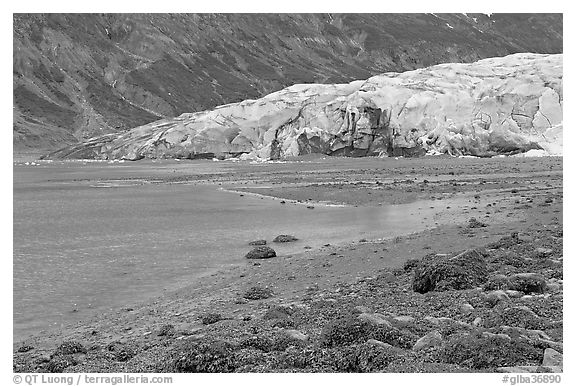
x=508, y=105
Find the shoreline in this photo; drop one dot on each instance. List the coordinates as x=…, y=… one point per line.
x=303, y=278
x=266, y=196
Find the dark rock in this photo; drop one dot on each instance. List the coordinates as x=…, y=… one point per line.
x=25, y=348
x=257, y=242
x=257, y=293
x=211, y=318
x=463, y=271
x=69, y=347
x=261, y=252
x=528, y=283
x=284, y=239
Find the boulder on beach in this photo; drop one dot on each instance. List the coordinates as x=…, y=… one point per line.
x=284, y=239
x=261, y=252
x=438, y=272
x=211, y=318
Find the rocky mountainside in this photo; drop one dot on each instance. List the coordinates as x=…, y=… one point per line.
x=80, y=76
x=494, y=106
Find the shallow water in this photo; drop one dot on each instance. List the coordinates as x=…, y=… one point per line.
x=83, y=247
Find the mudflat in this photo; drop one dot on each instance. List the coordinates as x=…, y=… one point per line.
x=348, y=305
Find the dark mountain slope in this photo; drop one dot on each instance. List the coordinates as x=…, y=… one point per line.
x=77, y=76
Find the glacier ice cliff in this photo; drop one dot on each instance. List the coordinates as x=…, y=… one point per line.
x=494, y=106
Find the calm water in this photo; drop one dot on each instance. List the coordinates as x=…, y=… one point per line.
x=91, y=247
